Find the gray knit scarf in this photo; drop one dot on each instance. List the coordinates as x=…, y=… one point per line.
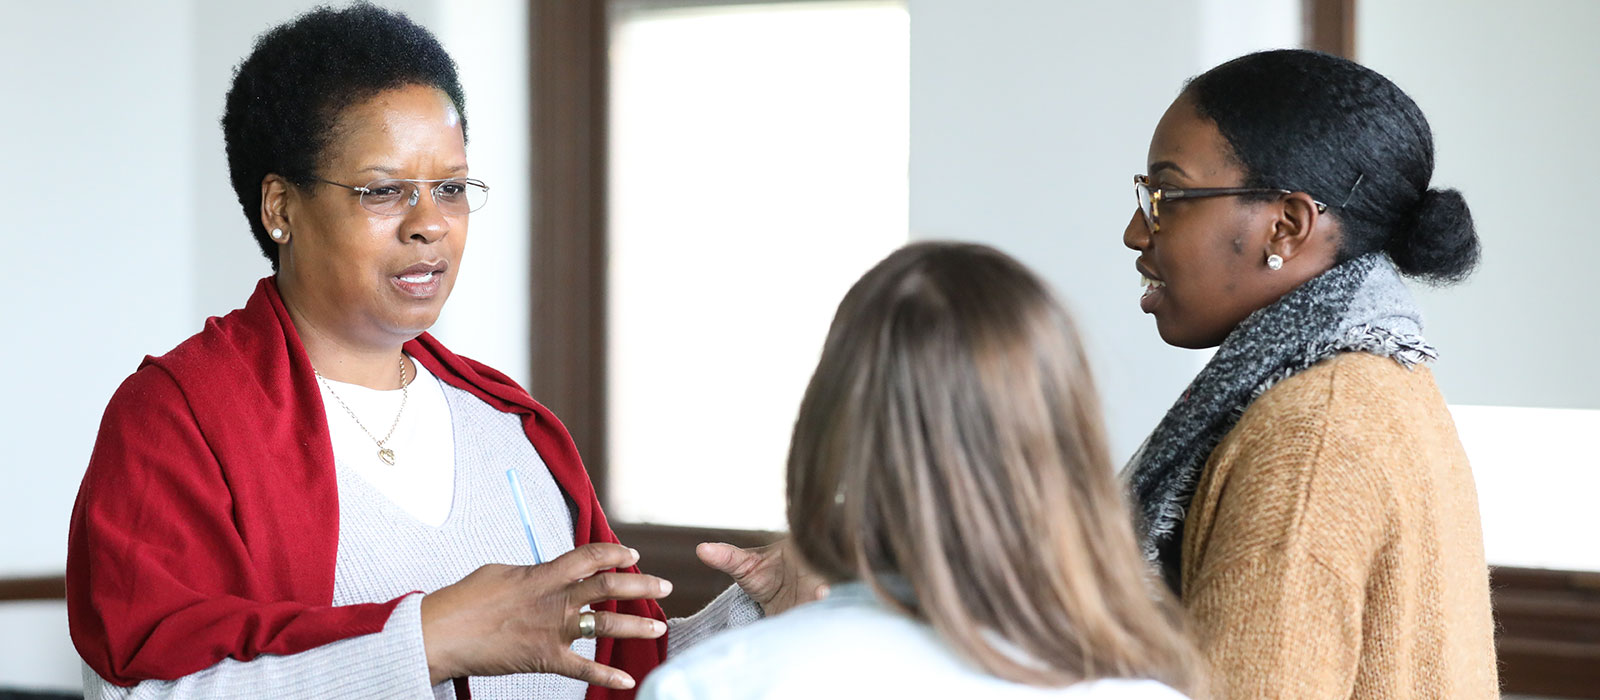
x=1360, y=305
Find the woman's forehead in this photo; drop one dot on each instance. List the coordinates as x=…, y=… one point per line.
x=1188, y=144
x=399, y=125
x=410, y=106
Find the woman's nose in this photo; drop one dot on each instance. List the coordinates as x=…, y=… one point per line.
x=1137, y=235
x=424, y=221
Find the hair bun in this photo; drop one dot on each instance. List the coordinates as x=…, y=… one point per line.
x=1441, y=245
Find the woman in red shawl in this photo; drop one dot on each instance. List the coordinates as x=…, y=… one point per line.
x=312, y=496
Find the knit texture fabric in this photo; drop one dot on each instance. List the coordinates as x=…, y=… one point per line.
x=1332, y=548
x=379, y=665
x=384, y=553
x=1360, y=305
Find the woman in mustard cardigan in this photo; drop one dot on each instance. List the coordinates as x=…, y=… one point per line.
x=1307, y=495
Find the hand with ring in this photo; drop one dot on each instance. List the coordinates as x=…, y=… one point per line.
x=522, y=619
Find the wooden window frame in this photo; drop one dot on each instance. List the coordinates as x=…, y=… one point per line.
x=1330, y=26
x=569, y=74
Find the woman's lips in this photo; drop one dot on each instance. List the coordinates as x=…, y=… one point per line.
x=1154, y=289
x=422, y=280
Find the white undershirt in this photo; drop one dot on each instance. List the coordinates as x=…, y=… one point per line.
x=422, y=479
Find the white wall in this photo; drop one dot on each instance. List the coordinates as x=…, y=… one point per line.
x=123, y=234
x=97, y=185
x=1029, y=119
x=1509, y=89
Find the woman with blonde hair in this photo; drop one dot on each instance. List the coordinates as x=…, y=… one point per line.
x=949, y=476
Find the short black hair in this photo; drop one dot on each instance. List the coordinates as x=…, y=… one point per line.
x=1315, y=123
x=288, y=93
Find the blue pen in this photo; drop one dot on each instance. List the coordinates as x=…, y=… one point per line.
x=522, y=510
x=527, y=526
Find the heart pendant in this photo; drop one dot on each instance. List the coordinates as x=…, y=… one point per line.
x=387, y=455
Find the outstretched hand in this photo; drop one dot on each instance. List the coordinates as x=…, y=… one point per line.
x=772, y=575
x=522, y=619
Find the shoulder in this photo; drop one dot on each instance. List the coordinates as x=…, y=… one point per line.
x=149, y=441
x=829, y=637
x=1353, y=411
x=1350, y=386
x=850, y=648
x=1325, y=456
x=235, y=343
x=147, y=404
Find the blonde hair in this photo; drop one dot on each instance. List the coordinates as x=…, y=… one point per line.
x=951, y=439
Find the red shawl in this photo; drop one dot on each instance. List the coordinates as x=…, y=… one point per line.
x=208, y=520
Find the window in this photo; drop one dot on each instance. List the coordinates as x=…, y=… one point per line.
x=757, y=167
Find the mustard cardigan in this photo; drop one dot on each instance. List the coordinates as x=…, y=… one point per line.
x=1333, y=548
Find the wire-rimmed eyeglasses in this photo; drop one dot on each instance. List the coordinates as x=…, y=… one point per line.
x=1150, y=199
x=393, y=196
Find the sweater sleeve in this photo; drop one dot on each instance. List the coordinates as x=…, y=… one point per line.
x=388, y=664
x=1280, y=626
x=732, y=608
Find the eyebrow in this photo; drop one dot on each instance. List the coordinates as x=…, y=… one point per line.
x=1161, y=165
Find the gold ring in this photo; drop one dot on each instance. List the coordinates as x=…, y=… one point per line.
x=586, y=625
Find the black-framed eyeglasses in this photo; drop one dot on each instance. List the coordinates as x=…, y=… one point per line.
x=1150, y=199
x=393, y=196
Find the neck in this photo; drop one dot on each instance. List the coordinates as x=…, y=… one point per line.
x=336, y=356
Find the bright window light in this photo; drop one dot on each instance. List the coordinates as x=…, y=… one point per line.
x=1537, y=475
x=758, y=165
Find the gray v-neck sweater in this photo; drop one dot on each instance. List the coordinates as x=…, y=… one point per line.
x=384, y=552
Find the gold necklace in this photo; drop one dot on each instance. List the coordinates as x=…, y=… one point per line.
x=384, y=453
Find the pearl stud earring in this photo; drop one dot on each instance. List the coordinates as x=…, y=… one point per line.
x=277, y=234
x=1274, y=262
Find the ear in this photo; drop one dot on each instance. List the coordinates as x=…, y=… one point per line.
x=275, y=204
x=1295, y=226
